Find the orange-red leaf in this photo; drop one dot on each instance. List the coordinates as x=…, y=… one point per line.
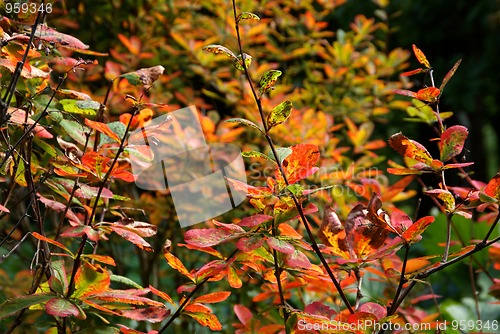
x=280, y=245
x=203, y=315
x=162, y=294
x=60, y=307
x=429, y=94
x=410, y=148
x=493, y=187
x=413, y=233
x=301, y=163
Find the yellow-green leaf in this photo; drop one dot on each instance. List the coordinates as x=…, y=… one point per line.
x=279, y=114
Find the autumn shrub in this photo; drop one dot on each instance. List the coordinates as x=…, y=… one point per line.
x=331, y=236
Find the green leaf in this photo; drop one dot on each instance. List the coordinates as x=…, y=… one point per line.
x=75, y=130
x=283, y=152
x=255, y=154
x=11, y=307
x=80, y=107
x=296, y=189
x=215, y=48
x=247, y=16
x=268, y=81
x=245, y=122
x=279, y=114
x=47, y=147
x=124, y=280
x=239, y=62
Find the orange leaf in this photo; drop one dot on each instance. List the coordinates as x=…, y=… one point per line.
x=203, y=315
x=177, y=265
x=214, y=297
x=50, y=241
x=103, y=128
x=422, y=59
x=90, y=280
x=332, y=233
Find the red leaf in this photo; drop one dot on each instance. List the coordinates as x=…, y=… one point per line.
x=140, y=228
x=254, y=220
x=243, y=314
x=410, y=73
x=4, y=209
x=61, y=308
x=48, y=34
x=80, y=230
x=450, y=74
x=280, y=245
x=251, y=243
x=297, y=260
x=376, y=309
x=206, y=237
x=452, y=142
x=132, y=237
x=413, y=233
x=103, y=128
x=318, y=308
x=18, y=117
x=405, y=92
x=493, y=187
x=151, y=314
x=131, y=297
x=214, y=297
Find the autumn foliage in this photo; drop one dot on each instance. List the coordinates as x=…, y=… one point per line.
x=331, y=232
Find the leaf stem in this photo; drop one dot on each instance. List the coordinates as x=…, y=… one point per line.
x=280, y=167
